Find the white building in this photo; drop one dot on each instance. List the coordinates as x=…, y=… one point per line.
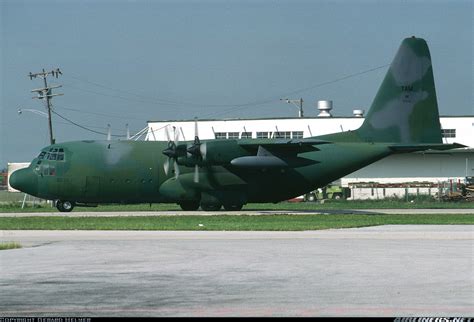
x=396, y=175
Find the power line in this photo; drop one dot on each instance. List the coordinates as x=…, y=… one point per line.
x=245, y=106
x=117, y=96
x=94, y=113
x=163, y=101
x=82, y=126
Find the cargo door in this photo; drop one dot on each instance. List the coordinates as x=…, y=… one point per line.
x=92, y=187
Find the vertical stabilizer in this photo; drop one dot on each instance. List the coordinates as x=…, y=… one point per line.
x=405, y=109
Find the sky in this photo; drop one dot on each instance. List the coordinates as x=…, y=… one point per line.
x=127, y=62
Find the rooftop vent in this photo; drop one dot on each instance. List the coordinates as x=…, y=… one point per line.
x=324, y=107
x=358, y=113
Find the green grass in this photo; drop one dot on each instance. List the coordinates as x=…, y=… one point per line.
x=9, y=245
x=290, y=206
x=228, y=222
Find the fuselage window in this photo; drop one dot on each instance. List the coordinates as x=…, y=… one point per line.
x=45, y=169
x=41, y=155
x=52, y=170
x=61, y=154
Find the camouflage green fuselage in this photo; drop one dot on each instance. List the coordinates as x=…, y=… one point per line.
x=133, y=172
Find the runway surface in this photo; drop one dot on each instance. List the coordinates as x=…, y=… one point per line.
x=54, y=212
x=399, y=270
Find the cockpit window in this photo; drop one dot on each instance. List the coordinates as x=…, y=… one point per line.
x=54, y=154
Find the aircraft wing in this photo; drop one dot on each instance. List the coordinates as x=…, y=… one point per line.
x=277, y=153
x=286, y=147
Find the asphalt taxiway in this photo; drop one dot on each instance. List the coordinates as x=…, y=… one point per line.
x=56, y=213
x=399, y=270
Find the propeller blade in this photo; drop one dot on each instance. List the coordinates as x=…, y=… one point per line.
x=203, y=150
x=176, y=136
x=176, y=169
x=196, y=132
x=166, y=166
x=196, y=173
x=167, y=133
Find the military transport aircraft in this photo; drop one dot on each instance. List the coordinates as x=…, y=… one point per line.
x=403, y=118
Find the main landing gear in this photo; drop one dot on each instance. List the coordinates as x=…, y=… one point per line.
x=65, y=205
x=194, y=205
x=189, y=205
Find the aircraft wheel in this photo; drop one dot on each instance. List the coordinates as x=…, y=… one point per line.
x=211, y=207
x=189, y=205
x=233, y=207
x=65, y=205
x=59, y=205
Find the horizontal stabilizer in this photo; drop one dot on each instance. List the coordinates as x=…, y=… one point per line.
x=403, y=148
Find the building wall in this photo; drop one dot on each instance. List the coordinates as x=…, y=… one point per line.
x=383, y=193
x=208, y=128
x=463, y=126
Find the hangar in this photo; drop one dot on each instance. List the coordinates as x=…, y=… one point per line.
x=395, y=176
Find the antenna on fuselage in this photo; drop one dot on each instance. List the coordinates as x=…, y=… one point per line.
x=109, y=132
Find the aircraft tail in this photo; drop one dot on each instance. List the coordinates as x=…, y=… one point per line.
x=405, y=109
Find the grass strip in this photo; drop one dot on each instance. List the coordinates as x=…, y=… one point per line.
x=9, y=245
x=290, y=206
x=230, y=222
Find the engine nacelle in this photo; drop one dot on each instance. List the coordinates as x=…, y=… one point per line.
x=213, y=153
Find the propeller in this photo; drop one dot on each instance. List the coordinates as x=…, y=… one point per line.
x=171, y=152
x=197, y=150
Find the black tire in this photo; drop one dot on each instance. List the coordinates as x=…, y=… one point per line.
x=65, y=205
x=233, y=207
x=59, y=205
x=189, y=205
x=211, y=207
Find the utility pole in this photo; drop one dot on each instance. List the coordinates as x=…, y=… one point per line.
x=45, y=93
x=294, y=102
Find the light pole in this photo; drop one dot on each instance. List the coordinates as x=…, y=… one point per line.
x=21, y=110
x=298, y=103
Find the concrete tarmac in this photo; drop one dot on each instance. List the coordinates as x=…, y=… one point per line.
x=399, y=270
x=56, y=213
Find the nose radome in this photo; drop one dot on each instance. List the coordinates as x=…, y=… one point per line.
x=14, y=180
x=24, y=180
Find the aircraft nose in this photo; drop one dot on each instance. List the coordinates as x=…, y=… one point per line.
x=24, y=180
